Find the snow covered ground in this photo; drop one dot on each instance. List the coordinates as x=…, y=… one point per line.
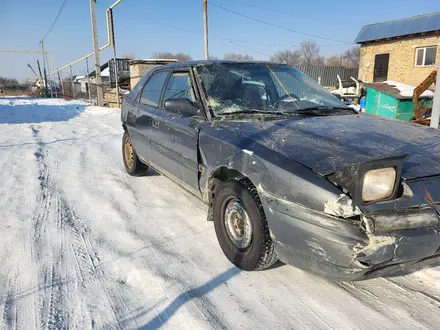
x=83, y=245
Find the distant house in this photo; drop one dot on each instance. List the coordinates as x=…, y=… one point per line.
x=81, y=84
x=404, y=50
x=139, y=67
x=108, y=71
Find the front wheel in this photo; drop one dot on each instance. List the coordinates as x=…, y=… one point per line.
x=132, y=164
x=241, y=226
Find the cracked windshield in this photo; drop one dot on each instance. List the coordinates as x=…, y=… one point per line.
x=233, y=88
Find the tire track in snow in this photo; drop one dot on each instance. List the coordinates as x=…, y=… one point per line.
x=9, y=311
x=434, y=300
x=73, y=240
x=43, y=197
x=391, y=301
x=52, y=305
x=56, y=318
x=88, y=262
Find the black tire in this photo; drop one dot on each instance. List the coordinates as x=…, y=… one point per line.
x=260, y=254
x=132, y=164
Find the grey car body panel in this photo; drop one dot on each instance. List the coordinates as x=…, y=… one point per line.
x=327, y=144
x=289, y=159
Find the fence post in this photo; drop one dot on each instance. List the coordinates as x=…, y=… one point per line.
x=71, y=82
x=61, y=83
x=60, y=74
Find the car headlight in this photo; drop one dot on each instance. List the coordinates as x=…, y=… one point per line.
x=378, y=184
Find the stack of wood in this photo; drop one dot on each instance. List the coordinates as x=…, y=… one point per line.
x=110, y=94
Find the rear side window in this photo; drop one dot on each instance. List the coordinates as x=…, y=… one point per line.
x=179, y=86
x=152, y=90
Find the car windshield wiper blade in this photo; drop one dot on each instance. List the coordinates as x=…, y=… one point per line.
x=320, y=110
x=323, y=107
x=250, y=111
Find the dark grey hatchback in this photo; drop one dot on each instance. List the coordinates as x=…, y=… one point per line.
x=287, y=170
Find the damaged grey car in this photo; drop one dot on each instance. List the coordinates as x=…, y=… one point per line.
x=288, y=171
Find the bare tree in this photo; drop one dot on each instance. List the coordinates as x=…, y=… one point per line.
x=168, y=55
x=335, y=60
x=237, y=57
x=287, y=56
x=309, y=51
x=319, y=61
x=349, y=58
x=130, y=56
x=211, y=57
x=352, y=56
x=9, y=82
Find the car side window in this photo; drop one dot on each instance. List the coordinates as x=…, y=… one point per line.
x=151, y=93
x=179, y=86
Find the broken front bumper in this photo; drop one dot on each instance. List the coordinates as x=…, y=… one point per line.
x=342, y=249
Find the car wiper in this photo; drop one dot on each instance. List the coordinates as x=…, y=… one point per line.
x=322, y=107
x=250, y=111
x=320, y=110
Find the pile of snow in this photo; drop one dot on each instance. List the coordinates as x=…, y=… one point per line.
x=407, y=90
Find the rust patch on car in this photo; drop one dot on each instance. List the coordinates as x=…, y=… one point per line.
x=429, y=199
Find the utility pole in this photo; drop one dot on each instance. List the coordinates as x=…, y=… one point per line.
x=61, y=83
x=41, y=76
x=51, y=89
x=88, y=81
x=71, y=82
x=44, y=68
x=435, y=115
x=205, y=19
x=115, y=62
x=99, y=92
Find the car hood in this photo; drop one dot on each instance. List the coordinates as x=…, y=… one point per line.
x=329, y=143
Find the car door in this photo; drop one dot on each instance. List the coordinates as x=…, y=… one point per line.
x=176, y=134
x=144, y=107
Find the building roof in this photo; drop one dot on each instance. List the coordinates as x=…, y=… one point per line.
x=401, y=27
x=398, y=90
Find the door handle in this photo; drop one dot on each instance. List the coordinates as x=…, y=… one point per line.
x=155, y=123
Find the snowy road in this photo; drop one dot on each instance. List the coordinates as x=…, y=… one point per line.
x=83, y=245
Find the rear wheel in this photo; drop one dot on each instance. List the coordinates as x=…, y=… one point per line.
x=241, y=226
x=132, y=164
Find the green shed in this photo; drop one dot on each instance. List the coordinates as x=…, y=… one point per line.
x=393, y=100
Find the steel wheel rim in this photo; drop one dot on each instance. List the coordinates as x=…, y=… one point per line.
x=129, y=154
x=238, y=224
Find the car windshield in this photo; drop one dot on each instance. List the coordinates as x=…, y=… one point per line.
x=232, y=88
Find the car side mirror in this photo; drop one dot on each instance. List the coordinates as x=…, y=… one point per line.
x=182, y=106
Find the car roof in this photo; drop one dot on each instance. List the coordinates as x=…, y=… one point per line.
x=206, y=62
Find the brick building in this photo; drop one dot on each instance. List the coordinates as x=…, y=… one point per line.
x=405, y=50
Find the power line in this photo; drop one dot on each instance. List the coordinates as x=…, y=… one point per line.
x=220, y=37
x=263, y=8
x=47, y=33
x=60, y=11
x=21, y=55
x=250, y=49
x=279, y=26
